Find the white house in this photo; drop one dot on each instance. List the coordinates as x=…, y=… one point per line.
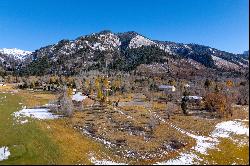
x=167, y=88
x=194, y=101
x=193, y=97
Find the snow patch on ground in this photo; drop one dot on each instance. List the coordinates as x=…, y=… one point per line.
x=104, y=161
x=4, y=153
x=105, y=142
x=37, y=113
x=121, y=112
x=203, y=143
x=78, y=97
x=225, y=129
x=4, y=97
x=183, y=159
x=23, y=121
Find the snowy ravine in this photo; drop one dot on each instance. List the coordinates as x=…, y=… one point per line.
x=222, y=63
x=139, y=41
x=203, y=143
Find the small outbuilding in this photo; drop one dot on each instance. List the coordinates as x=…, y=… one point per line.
x=193, y=101
x=167, y=88
x=194, y=98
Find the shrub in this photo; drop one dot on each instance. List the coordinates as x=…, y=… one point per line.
x=207, y=83
x=184, y=105
x=229, y=83
x=243, y=95
x=171, y=109
x=184, y=102
x=218, y=103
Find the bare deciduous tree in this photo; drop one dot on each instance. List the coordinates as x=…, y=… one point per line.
x=66, y=105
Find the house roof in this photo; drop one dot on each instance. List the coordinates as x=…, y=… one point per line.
x=166, y=87
x=193, y=97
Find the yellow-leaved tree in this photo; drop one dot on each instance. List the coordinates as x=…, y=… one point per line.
x=229, y=83
x=69, y=92
x=98, y=88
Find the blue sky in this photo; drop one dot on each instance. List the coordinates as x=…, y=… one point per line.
x=31, y=24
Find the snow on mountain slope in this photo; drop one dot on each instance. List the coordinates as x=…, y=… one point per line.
x=89, y=50
x=15, y=53
x=221, y=63
x=246, y=52
x=110, y=39
x=139, y=41
x=1, y=59
x=103, y=41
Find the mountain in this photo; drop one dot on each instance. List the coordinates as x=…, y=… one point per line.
x=11, y=59
x=127, y=51
x=15, y=53
x=246, y=53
